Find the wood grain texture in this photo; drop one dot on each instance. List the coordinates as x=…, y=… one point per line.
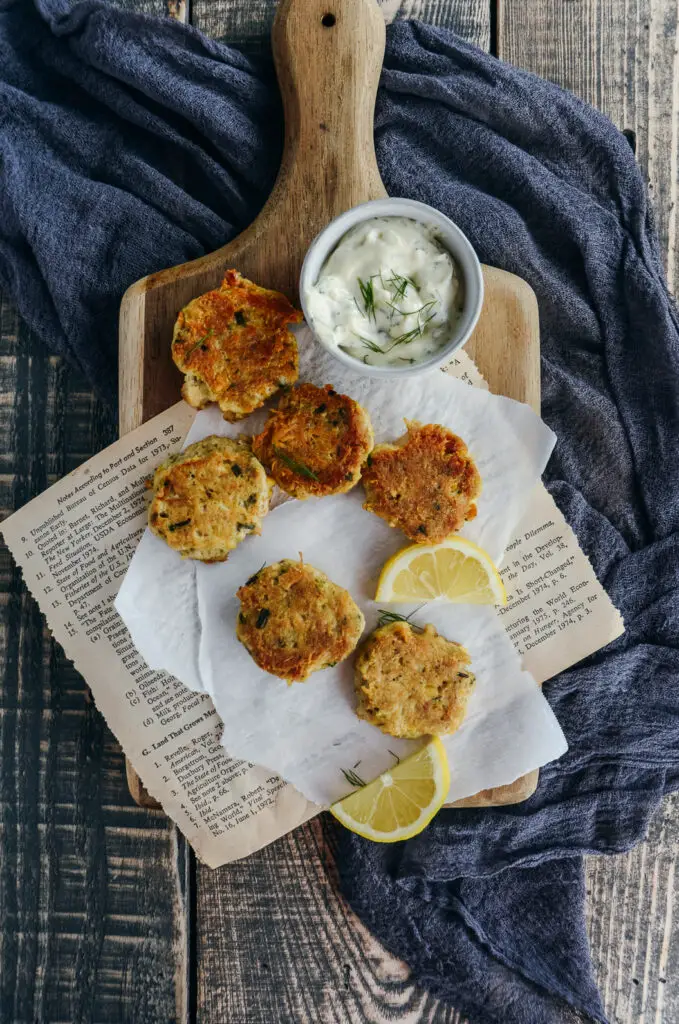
x=293, y=952
x=622, y=56
x=93, y=890
x=328, y=78
x=632, y=919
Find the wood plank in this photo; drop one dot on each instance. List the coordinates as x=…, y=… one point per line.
x=632, y=921
x=621, y=56
x=93, y=890
x=276, y=943
x=248, y=22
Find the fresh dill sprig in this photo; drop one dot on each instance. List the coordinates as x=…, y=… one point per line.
x=200, y=342
x=427, y=305
x=399, y=285
x=369, y=343
x=387, y=617
x=368, y=296
x=408, y=336
x=404, y=339
x=352, y=778
x=395, y=308
x=294, y=464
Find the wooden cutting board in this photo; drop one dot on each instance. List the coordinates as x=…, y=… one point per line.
x=328, y=56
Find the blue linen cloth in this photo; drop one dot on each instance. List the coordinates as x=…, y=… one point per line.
x=129, y=144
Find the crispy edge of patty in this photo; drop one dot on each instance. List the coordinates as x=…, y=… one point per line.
x=305, y=464
x=247, y=478
x=391, y=702
x=242, y=383
x=419, y=464
x=330, y=627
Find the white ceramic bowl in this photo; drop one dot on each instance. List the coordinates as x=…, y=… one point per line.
x=450, y=237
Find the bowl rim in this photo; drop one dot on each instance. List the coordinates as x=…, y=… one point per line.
x=392, y=206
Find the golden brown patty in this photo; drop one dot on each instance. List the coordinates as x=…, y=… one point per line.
x=294, y=620
x=209, y=498
x=412, y=683
x=426, y=483
x=234, y=346
x=315, y=442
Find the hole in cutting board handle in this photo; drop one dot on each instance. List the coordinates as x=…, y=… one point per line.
x=328, y=20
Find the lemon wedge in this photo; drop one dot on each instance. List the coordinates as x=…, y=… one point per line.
x=401, y=802
x=455, y=570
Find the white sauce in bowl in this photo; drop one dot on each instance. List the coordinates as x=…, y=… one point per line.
x=388, y=295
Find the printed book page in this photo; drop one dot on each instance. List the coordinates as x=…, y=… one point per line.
x=74, y=543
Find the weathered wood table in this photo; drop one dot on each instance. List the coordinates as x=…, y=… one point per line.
x=105, y=918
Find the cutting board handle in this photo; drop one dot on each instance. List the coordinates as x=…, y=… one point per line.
x=328, y=56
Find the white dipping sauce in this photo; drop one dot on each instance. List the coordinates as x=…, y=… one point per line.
x=389, y=294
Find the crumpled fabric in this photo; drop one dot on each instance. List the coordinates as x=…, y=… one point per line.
x=129, y=144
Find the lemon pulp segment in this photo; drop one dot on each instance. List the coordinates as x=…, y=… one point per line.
x=400, y=802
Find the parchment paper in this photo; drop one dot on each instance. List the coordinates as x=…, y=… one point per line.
x=181, y=614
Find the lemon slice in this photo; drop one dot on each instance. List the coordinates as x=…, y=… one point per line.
x=455, y=570
x=401, y=802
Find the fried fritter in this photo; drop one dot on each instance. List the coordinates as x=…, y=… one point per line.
x=315, y=442
x=426, y=483
x=209, y=498
x=412, y=683
x=294, y=620
x=234, y=346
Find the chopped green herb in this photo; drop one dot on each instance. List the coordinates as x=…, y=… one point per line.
x=395, y=756
x=387, y=617
x=368, y=296
x=236, y=470
x=399, y=285
x=294, y=464
x=262, y=618
x=240, y=318
x=254, y=576
x=395, y=308
x=369, y=344
x=245, y=526
x=321, y=408
x=427, y=305
x=352, y=778
x=198, y=344
x=177, y=526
